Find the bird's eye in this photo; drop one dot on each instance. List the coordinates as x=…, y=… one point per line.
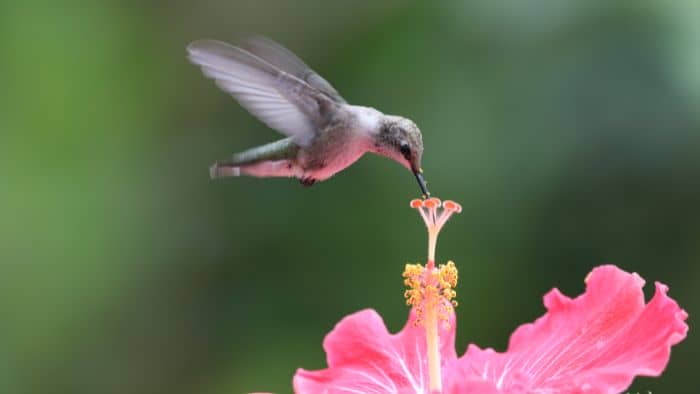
x=405, y=150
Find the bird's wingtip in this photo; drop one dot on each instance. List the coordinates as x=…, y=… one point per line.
x=194, y=45
x=207, y=45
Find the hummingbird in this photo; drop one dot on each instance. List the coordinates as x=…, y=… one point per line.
x=324, y=133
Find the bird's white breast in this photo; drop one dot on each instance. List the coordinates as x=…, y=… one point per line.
x=368, y=119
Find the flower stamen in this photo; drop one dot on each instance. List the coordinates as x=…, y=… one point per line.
x=430, y=288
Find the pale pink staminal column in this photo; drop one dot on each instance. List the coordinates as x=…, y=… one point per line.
x=431, y=288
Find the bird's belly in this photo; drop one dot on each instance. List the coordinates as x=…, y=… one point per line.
x=334, y=164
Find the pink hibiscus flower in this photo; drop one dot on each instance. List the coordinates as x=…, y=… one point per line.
x=595, y=343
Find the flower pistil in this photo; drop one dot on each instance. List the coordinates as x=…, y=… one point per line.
x=430, y=289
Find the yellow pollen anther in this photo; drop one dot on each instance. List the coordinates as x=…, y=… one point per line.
x=429, y=288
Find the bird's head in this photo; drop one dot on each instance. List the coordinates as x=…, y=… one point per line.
x=400, y=140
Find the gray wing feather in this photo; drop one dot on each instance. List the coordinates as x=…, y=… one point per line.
x=287, y=61
x=280, y=100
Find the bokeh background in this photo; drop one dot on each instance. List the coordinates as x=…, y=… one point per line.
x=569, y=131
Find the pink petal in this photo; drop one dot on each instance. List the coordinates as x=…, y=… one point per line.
x=595, y=343
x=364, y=358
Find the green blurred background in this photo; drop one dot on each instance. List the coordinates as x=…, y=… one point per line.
x=569, y=131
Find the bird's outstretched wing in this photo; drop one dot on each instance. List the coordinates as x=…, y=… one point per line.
x=281, y=100
x=287, y=61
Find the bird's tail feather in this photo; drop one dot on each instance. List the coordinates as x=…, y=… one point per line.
x=263, y=169
x=222, y=171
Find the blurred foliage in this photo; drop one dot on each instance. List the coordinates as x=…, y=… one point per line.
x=569, y=131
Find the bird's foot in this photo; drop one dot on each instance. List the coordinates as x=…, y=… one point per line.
x=307, y=181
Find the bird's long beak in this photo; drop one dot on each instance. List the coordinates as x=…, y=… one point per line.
x=421, y=182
